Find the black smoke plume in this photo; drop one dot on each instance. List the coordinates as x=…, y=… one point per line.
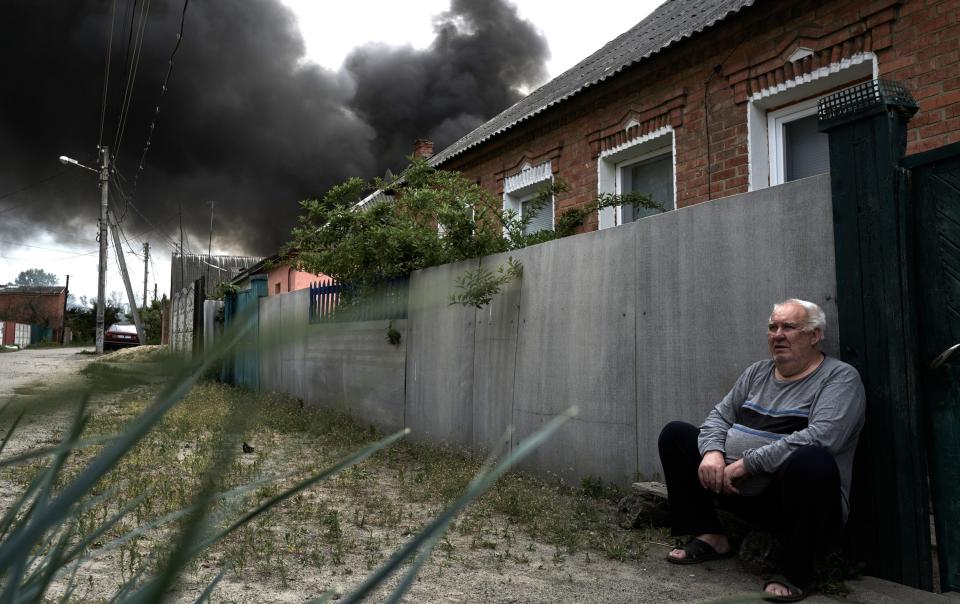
x=243, y=122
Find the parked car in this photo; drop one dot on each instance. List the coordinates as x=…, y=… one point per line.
x=120, y=335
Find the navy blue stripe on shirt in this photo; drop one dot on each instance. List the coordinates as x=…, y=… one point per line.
x=776, y=424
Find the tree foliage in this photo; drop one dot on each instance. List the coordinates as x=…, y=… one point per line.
x=36, y=277
x=82, y=320
x=434, y=217
x=152, y=319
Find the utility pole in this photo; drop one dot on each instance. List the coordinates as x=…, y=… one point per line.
x=154, y=292
x=121, y=260
x=206, y=282
x=102, y=277
x=63, y=319
x=146, y=259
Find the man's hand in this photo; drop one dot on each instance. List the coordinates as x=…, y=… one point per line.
x=711, y=471
x=731, y=474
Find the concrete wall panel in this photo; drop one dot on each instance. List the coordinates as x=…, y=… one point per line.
x=577, y=346
x=352, y=367
x=637, y=326
x=270, y=345
x=293, y=333
x=494, y=365
x=707, y=278
x=441, y=355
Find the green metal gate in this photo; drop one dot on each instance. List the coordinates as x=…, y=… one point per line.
x=935, y=195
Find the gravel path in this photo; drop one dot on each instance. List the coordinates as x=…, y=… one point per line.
x=480, y=577
x=31, y=365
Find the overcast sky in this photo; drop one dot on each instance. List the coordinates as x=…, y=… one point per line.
x=267, y=104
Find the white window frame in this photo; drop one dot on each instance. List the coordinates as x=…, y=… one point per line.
x=769, y=109
x=523, y=185
x=776, y=143
x=610, y=163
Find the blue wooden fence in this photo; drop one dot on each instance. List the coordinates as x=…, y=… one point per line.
x=241, y=367
x=334, y=301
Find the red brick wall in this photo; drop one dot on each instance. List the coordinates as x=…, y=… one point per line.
x=704, y=85
x=33, y=309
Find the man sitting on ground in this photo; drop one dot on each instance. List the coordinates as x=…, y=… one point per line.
x=778, y=450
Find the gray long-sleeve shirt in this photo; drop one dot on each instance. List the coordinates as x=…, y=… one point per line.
x=763, y=420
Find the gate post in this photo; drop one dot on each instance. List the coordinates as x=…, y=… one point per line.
x=227, y=375
x=889, y=524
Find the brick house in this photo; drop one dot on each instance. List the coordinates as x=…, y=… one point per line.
x=40, y=307
x=710, y=98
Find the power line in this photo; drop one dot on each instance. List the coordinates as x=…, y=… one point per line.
x=127, y=241
x=34, y=227
x=163, y=91
x=129, y=202
x=40, y=247
x=106, y=74
x=52, y=259
x=30, y=186
x=133, y=67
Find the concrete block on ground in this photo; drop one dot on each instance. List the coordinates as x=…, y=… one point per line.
x=871, y=590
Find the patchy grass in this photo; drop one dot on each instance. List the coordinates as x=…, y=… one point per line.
x=348, y=525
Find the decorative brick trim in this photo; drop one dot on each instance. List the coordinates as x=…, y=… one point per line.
x=550, y=157
x=528, y=176
x=636, y=123
x=831, y=50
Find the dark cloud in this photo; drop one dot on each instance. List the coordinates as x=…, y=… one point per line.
x=481, y=55
x=243, y=121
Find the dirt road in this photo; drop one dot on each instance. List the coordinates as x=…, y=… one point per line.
x=24, y=367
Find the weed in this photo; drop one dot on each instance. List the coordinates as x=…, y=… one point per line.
x=162, y=473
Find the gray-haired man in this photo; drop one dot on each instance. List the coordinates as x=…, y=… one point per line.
x=778, y=450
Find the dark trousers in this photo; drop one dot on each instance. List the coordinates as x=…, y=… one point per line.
x=802, y=504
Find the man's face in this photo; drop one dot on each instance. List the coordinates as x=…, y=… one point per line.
x=788, y=341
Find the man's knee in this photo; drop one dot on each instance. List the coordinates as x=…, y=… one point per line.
x=676, y=432
x=810, y=464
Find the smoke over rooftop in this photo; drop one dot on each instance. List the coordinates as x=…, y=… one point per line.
x=244, y=121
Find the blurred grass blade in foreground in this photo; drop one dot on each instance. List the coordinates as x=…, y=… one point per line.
x=435, y=529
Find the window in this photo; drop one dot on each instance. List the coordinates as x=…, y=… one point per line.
x=785, y=143
x=644, y=165
x=796, y=146
x=519, y=191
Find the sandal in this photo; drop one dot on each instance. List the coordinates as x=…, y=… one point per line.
x=796, y=594
x=699, y=551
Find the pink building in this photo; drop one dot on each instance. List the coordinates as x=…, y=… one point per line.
x=282, y=276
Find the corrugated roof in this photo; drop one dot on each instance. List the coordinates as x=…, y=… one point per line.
x=33, y=289
x=217, y=269
x=671, y=22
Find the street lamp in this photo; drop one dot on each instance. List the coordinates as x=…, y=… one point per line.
x=104, y=172
x=69, y=161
